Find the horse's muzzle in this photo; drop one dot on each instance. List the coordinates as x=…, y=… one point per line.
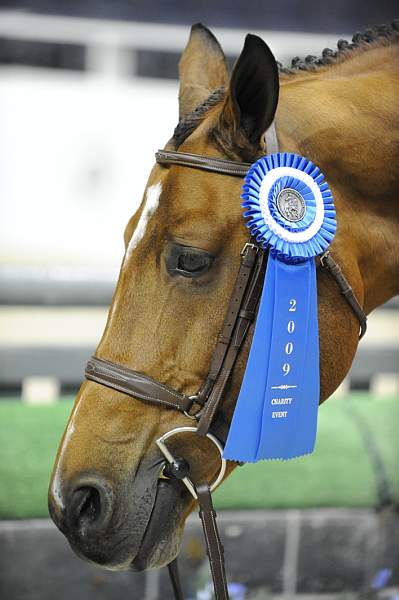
x=135, y=524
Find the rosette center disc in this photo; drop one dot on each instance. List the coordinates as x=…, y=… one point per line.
x=291, y=205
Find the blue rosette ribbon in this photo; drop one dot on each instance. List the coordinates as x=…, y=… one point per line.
x=290, y=211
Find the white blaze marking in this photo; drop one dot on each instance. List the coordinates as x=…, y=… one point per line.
x=57, y=484
x=149, y=208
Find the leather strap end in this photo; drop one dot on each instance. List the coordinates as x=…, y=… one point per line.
x=214, y=546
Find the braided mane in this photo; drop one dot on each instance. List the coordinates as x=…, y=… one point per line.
x=380, y=35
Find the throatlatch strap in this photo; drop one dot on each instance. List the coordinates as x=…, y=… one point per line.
x=214, y=546
x=334, y=269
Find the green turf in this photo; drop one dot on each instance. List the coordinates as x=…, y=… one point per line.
x=29, y=437
x=339, y=472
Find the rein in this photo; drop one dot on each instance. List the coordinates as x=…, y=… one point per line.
x=203, y=407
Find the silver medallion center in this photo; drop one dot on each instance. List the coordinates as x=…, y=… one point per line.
x=291, y=205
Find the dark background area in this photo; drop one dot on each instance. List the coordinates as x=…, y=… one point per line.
x=285, y=15
x=310, y=16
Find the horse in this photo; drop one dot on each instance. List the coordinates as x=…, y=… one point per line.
x=182, y=253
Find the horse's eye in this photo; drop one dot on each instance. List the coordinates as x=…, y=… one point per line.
x=187, y=261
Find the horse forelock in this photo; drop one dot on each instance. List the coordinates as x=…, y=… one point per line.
x=188, y=124
x=220, y=133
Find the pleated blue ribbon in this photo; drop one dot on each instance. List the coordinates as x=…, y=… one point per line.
x=290, y=210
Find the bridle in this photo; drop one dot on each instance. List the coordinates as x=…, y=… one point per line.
x=203, y=407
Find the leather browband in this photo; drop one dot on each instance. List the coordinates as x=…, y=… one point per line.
x=213, y=163
x=207, y=163
x=327, y=262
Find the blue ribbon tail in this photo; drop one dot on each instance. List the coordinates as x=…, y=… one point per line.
x=242, y=441
x=290, y=405
x=276, y=412
x=308, y=409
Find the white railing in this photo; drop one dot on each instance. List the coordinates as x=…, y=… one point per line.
x=106, y=42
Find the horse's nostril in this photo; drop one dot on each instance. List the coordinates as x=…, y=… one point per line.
x=88, y=505
x=89, y=509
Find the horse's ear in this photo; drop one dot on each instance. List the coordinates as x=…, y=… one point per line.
x=202, y=69
x=251, y=103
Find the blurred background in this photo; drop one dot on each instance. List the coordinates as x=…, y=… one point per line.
x=88, y=92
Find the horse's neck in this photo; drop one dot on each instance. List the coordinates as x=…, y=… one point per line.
x=347, y=120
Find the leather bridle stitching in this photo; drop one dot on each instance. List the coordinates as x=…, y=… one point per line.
x=119, y=388
x=126, y=371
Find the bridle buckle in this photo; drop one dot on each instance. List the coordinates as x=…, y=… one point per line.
x=323, y=257
x=193, y=416
x=248, y=245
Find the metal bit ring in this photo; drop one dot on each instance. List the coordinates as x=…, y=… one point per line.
x=160, y=442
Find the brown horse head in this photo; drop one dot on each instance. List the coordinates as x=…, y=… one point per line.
x=182, y=255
